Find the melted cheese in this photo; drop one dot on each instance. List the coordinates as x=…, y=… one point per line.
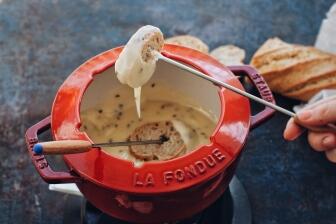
x=137, y=98
x=117, y=119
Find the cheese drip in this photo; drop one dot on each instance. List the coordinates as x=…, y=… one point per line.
x=137, y=98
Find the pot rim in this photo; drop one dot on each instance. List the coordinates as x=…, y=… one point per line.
x=97, y=166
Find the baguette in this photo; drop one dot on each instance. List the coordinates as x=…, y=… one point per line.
x=276, y=61
x=293, y=70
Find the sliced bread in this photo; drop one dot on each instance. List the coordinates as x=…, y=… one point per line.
x=229, y=55
x=189, y=41
x=154, y=130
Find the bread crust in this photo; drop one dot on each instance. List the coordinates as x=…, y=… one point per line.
x=303, y=72
x=308, y=89
x=270, y=45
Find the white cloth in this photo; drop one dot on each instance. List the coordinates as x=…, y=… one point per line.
x=323, y=94
x=326, y=38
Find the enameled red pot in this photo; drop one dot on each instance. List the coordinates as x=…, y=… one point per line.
x=157, y=191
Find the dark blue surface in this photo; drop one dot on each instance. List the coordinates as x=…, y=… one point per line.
x=41, y=42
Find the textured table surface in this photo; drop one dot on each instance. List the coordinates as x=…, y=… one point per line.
x=41, y=42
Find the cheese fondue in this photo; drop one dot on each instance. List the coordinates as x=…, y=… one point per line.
x=116, y=120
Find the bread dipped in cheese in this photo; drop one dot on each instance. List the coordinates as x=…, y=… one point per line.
x=137, y=61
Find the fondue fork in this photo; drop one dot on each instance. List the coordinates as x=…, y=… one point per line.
x=79, y=146
x=328, y=127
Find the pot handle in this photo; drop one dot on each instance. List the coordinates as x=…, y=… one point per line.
x=263, y=89
x=40, y=162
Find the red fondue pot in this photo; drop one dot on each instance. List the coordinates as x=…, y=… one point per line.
x=157, y=191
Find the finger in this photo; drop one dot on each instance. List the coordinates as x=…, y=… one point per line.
x=292, y=130
x=322, y=141
x=331, y=155
x=320, y=115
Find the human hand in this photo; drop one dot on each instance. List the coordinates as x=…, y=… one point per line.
x=319, y=113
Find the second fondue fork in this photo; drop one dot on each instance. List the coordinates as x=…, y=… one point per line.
x=79, y=146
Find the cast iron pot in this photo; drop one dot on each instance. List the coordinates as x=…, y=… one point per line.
x=157, y=191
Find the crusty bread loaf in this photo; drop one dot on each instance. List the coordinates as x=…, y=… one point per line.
x=295, y=71
x=229, y=55
x=189, y=41
x=168, y=150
